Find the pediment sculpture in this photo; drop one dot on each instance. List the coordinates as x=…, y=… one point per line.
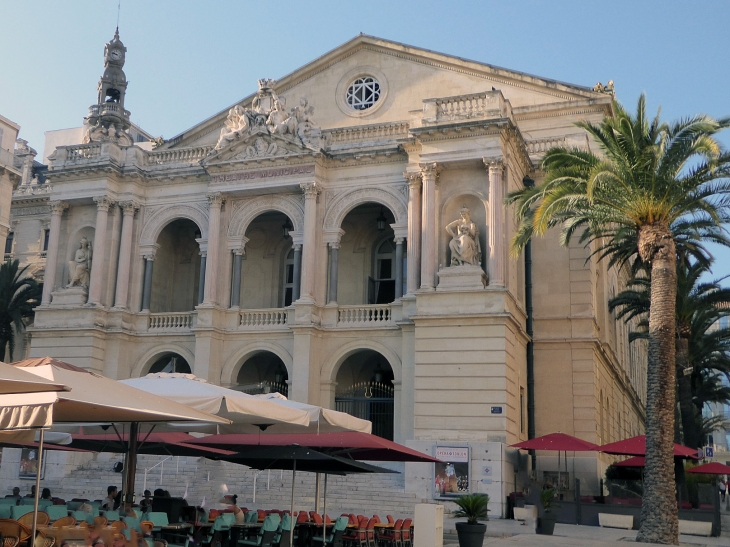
x=464, y=245
x=261, y=148
x=268, y=116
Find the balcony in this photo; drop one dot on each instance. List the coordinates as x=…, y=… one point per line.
x=369, y=316
x=270, y=318
x=170, y=322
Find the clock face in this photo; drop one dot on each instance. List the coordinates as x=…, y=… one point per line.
x=115, y=54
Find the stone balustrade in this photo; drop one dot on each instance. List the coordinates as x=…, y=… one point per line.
x=540, y=146
x=83, y=151
x=367, y=133
x=260, y=319
x=101, y=109
x=33, y=190
x=171, y=321
x=181, y=155
x=474, y=106
x=372, y=315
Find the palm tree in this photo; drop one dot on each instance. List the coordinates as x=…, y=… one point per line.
x=19, y=294
x=650, y=177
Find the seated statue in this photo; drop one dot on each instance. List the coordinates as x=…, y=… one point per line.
x=464, y=244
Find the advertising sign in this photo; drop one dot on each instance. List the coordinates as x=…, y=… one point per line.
x=451, y=478
x=29, y=464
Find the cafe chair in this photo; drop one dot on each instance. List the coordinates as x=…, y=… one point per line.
x=56, y=512
x=390, y=518
x=406, y=538
x=64, y=521
x=10, y=531
x=111, y=515
x=389, y=537
x=267, y=533
x=27, y=519
x=283, y=537
x=334, y=537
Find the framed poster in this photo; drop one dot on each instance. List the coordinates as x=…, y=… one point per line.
x=29, y=464
x=451, y=477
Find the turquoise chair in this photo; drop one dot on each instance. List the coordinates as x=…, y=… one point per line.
x=251, y=516
x=19, y=510
x=5, y=511
x=219, y=525
x=284, y=532
x=158, y=519
x=112, y=515
x=42, y=504
x=267, y=533
x=334, y=537
x=8, y=501
x=133, y=523
x=27, y=501
x=83, y=515
x=56, y=512
x=229, y=518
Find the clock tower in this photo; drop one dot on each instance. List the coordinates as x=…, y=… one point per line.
x=108, y=120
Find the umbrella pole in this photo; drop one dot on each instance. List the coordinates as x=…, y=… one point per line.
x=291, y=516
x=131, y=466
x=324, y=514
x=37, y=487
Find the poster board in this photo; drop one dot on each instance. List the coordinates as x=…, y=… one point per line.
x=29, y=464
x=451, y=475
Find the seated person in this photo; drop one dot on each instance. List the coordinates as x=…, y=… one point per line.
x=15, y=494
x=32, y=492
x=232, y=507
x=110, y=502
x=46, y=494
x=145, y=504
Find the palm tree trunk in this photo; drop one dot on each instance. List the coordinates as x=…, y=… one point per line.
x=684, y=394
x=659, y=507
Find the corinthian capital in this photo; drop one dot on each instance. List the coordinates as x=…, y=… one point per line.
x=215, y=199
x=414, y=179
x=58, y=207
x=310, y=189
x=103, y=202
x=431, y=169
x=129, y=207
x=494, y=164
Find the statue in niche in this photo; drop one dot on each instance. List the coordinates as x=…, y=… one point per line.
x=80, y=267
x=464, y=244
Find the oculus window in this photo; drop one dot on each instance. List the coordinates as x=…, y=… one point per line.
x=363, y=93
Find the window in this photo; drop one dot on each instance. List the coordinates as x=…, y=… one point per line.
x=288, y=286
x=381, y=287
x=46, y=234
x=363, y=93
x=9, y=243
x=522, y=409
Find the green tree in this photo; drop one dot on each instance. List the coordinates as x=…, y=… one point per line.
x=649, y=177
x=19, y=294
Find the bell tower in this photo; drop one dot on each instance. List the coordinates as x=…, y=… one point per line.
x=108, y=120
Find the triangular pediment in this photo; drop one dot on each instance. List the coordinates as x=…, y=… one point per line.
x=260, y=145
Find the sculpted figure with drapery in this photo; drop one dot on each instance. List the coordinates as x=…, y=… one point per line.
x=464, y=244
x=79, y=268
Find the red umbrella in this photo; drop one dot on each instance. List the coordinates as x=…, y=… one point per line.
x=636, y=461
x=713, y=468
x=161, y=444
x=557, y=441
x=359, y=446
x=636, y=446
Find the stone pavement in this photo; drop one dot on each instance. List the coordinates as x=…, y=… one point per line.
x=509, y=533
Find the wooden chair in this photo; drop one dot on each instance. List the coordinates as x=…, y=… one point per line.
x=406, y=536
x=100, y=521
x=389, y=537
x=27, y=519
x=10, y=541
x=316, y=518
x=10, y=529
x=64, y=521
x=43, y=540
x=118, y=525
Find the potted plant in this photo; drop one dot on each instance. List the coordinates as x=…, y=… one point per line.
x=474, y=508
x=547, y=523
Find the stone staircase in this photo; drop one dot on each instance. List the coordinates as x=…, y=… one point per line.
x=202, y=479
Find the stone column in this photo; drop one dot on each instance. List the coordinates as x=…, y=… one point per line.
x=414, y=231
x=311, y=190
x=129, y=208
x=497, y=249
x=214, y=225
x=49, y=280
x=398, y=267
x=429, y=174
x=99, y=257
x=296, y=290
x=334, y=254
x=236, y=283
x=149, y=262
x=203, y=276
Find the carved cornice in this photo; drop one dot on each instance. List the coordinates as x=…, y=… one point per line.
x=58, y=207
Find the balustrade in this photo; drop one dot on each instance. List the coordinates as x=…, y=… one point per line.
x=540, y=146
x=273, y=317
x=368, y=133
x=83, y=151
x=175, y=321
x=375, y=315
x=182, y=155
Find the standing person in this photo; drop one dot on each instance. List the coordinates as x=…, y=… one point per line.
x=109, y=501
x=723, y=489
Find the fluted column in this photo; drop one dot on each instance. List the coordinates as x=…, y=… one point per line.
x=398, y=267
x=311, y=190
x=414, y=231
x=334, y=265
x=215, y=201
x=49, y=281
x=497, y=249
x=429, y=175
x=236, y=282
x=149, y=262
x=129, y=208
x=296, y=290
x=99, y=257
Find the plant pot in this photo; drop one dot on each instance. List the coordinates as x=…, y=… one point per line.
x=470, y=535
x=547, y=524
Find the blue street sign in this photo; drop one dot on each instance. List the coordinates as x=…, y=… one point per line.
x=496, y=410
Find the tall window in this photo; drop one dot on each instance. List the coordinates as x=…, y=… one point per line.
x=288, y=285
x=46, y=235
x=381, y=288
x=601, y=430
x=522, y=409
x=9, y=243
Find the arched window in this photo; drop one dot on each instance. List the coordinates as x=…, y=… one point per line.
x=381, y=288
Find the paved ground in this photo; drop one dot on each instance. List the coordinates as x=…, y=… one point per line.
x=509, y=533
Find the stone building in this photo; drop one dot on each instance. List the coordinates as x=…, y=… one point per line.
x=340, y=236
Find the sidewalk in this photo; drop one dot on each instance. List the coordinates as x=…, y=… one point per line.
x=509, y=533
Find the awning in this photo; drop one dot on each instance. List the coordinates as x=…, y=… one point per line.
x=636, y=446
x=15, y=380
x=324, y=420
x=557, y=442
x=712, y=468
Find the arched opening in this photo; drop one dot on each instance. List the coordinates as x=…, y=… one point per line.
x=170, y=362
x=112, y=95
x=367, y=268
x=267, y=268
x=263, y=372
x=176, y=274
x=365, y=390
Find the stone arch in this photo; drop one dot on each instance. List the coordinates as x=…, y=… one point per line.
x=229, y=373
x=159, y=218
x=387, y=196
x=149, y=358
x=328, y=373
x=245, y=211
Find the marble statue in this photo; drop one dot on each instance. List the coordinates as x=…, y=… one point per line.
x=464, y=244
x=98, y=131
x=236, y=123
x=80, y=267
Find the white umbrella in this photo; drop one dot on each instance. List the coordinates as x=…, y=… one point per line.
x=324, y=420
x=15, y=380
x=246, y=412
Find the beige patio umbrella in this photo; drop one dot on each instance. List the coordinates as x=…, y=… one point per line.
x=14, y=380
x=92, y=399
x=321, y=420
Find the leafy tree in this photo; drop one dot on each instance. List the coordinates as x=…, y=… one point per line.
x=628, y=202
x=19, y=294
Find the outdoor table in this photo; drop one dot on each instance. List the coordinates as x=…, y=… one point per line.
x=66, y=533
x=384, y=525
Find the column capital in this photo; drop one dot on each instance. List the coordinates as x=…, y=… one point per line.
x=334, y=237
x=297, y=246
x=310, y=189
x=334, y=244
x=413, y=179
x=399, y=240
x=148, y=252
x=215, y=199
x=238, y=246
x=203, y=246
x=129, y=208
x=431, y=169
x=58, y=207
x=493, y=164
x=103, y=202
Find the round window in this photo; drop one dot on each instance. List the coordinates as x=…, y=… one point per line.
x=363, y=93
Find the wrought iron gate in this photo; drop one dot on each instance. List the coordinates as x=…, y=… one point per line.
x=370, y=401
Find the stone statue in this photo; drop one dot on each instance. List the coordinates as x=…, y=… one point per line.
x=236, y=123
x=464, y=244
x=80, y=267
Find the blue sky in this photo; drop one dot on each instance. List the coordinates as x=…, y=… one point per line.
x=187, y=60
